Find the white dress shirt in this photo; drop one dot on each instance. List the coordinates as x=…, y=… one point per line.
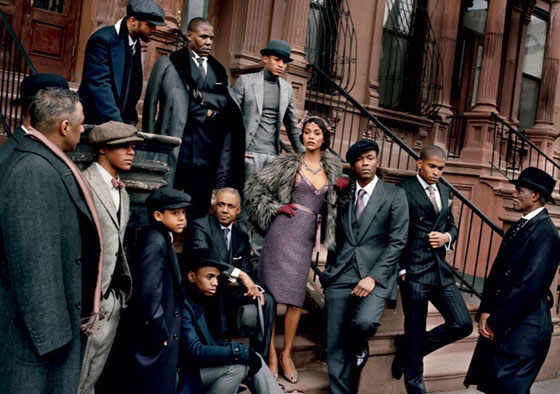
x=532, y=214
x=24, y=129
x=115, y=192
x=117, y=25
x=368, y=188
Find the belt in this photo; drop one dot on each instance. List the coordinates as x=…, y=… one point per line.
x=319, y=217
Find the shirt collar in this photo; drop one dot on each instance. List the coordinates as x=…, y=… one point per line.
x=532, y=214
x=118, y=29
x=108, y=178
x=24, y=129
x=369, y=187
x=195, y=56
x=230, y=226
x=424, y=183
x=171, y=235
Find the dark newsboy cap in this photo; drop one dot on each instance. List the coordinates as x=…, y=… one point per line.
x=167, y=198
x=113, y=133
x=360, y=147
x=146, y=10
x=205, y=257
x=279, y=48
x=538, y=181
x=35, y=82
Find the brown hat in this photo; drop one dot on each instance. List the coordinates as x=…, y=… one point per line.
x=113, y=133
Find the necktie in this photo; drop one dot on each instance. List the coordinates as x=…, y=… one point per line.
x=200, y=61
x=432, y=196
x=117, y=184
x=226, y=233
x=360, y=204
x=132, y=49
x=517, y=227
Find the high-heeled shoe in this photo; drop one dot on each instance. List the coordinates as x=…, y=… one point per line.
x=290, y=377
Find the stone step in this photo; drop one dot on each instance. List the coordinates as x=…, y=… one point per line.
x=312, y=380
x=446, y=371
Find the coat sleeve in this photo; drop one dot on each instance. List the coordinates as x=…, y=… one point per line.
x=31, y=229
x=99, y=81
x=239, y=91
x=151, y=262
x=398, y=234
x=151, y=98
x=540, y=267
x=291, y=123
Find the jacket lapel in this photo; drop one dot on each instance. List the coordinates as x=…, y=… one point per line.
x=219, y=240
x=118, y=47
x=374, y=202
x=283, y=102
x=258, y=87
x=101, y=190
x=346, y=215
x=419, y=194
x=125, y=206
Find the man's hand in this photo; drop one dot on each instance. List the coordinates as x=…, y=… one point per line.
x=364, y=287
x=252, y=289
x=437, y=239
x=483, y=328
x=164, y=343
x=209, y=113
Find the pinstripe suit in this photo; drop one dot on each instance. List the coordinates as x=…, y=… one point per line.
x=428, y=278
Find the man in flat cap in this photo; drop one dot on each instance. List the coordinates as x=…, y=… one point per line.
x=372, y=228
x=190, y=88
x=112, y=78
x=27, y=89
x=114, y=143
x=514, y=319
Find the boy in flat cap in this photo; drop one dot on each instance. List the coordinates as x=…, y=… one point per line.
x=153, y=321
x=211, y=366
x=112, y=77
x=115, y=152
x=514, y=319
x=361, y=274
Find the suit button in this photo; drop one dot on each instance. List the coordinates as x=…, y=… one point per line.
x=78, y=261
x=507, y=273
x=498, y=292
x=176, y=313
x=176, y=336
x=78, y=305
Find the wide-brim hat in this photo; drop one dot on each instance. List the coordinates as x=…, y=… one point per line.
x=146, y=10
x=35, y=82
x=250, y=320
x=536, y=180
x=360, y=147
x=167, y=198
x=205, y=257
x=113, y=133
x=279, y=48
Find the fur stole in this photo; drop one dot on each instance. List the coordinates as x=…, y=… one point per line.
x=269, y=189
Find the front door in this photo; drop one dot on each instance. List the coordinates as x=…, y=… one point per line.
x=48, y=32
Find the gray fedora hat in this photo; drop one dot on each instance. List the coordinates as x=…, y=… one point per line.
x=279, y=48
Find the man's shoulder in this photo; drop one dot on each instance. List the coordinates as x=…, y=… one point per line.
x=252, y=76
x=204, y=221
x=105, y=33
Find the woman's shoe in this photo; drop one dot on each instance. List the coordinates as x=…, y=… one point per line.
x=290, y=377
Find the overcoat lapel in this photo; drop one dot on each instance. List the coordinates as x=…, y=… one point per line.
x=118, y=47
x=175, y=265
x=374, y=202
x=72, y=188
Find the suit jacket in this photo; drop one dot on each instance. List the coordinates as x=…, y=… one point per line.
x=7, y=149
x=116, y=272
x=423, y=263
x=170, y=86
x=249, y=95
x=376, y=244
x=48, y=258
x=198, y=347
x=112, y=78
x=515, y=295
x=154, y=315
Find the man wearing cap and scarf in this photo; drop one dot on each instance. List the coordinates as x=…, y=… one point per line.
x=190, y=88
x=27, y=89
x=267, y=101
x=114, y=142
x=372, y=227
x=514, y=319
x=50, y=244
x=210, y=366
x=112, y=78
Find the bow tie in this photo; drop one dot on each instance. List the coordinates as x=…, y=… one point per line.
x=117, y=184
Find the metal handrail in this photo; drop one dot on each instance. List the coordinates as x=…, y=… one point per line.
x=475, y=227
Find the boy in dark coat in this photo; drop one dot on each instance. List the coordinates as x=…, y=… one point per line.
x=154, y=322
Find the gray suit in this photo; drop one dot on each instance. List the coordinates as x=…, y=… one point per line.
x=370, y=246
x=117, y=282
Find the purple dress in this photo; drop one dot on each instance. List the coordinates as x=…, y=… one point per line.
x=288, y=246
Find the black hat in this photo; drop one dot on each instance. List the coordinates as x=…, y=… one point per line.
x=35, y=82
x=538, y=181
x=146, y=10
x=360, y=147
x=205, y=257
x=279, y=48
x=167, y=198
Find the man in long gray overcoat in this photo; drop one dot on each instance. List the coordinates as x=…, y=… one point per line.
x=49, y=251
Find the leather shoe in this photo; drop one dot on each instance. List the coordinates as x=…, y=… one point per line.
x=397, y=365
x=361, y=358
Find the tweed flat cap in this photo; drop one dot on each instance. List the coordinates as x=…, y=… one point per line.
x=146, y=10
x=360, y=147
x=113, y=133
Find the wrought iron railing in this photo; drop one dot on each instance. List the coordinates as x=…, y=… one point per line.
x=479, y=236
x=16, y=65
x=410, y=69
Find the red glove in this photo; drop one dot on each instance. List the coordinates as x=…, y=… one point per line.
x=288, y=209
x=342, y=183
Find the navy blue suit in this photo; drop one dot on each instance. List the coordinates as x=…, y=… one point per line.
x=428, y=278
x=517, y=296
x=112, y=78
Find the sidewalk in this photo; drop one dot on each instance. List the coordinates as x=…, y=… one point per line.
x=545, y=387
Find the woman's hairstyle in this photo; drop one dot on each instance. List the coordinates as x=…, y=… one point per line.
x=323, y=125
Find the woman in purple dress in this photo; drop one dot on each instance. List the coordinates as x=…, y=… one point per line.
x=290, y=200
